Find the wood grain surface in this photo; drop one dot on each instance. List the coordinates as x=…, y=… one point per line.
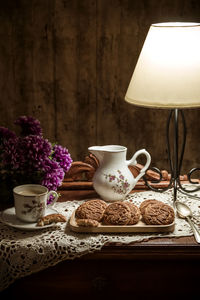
x=69, y=63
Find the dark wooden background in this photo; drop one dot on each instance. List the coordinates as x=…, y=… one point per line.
x=69, y=63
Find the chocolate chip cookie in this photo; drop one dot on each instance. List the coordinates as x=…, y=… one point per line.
x=158, y=214
x=92, y=209
x=117, y=213
x=135, y=213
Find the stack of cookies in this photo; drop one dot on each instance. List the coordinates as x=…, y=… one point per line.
x=95, y=212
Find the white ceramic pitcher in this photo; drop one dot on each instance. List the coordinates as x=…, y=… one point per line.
x=113, y=180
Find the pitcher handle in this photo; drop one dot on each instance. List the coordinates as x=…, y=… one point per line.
x=133, y=161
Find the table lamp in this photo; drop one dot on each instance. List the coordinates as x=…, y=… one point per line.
x=167, y=75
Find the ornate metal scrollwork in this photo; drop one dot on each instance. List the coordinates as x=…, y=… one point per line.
x=175, y=159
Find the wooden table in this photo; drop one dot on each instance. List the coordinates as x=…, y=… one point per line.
x=157, y=268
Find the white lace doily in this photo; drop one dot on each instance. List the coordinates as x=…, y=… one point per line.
x=26, y=252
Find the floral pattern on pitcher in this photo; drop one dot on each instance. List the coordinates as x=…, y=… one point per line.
x=121, y=183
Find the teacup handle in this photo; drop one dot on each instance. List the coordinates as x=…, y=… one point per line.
x=54, y=200
x=133, y=161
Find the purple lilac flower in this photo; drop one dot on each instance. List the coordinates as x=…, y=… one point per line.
x=32, y=158
x=10, y=156
x=53, y=174
x=34, y=150
x=62, y=156
x=29, y=126
x=6, y=134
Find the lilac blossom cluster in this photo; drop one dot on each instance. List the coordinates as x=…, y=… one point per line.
x=32, y=158
x=29, y=125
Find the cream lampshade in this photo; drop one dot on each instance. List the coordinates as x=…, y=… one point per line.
x=167, y=74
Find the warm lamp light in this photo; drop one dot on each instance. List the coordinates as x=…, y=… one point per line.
x=167, y=75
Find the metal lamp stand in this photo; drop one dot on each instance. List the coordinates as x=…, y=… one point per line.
x=176, y=117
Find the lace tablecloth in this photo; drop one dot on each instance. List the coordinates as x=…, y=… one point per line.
x=26, y=252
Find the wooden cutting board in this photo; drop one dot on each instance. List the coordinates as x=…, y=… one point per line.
x=140, y=227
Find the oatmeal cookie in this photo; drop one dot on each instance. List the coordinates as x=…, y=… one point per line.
x=53, y=218
x=135, y=213
x=157, y=214
x=117, y=213
x=87, y=222
x=92, y=209
x=145, y=203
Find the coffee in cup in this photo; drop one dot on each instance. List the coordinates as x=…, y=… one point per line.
x=31, y=201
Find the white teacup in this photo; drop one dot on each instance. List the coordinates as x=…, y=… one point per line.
x=31, y=201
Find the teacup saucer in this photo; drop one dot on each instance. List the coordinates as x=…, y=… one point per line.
x=9, y=218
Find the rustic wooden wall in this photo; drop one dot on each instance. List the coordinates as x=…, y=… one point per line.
x=69, y=63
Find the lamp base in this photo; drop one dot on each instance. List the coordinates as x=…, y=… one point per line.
x=176, y=118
